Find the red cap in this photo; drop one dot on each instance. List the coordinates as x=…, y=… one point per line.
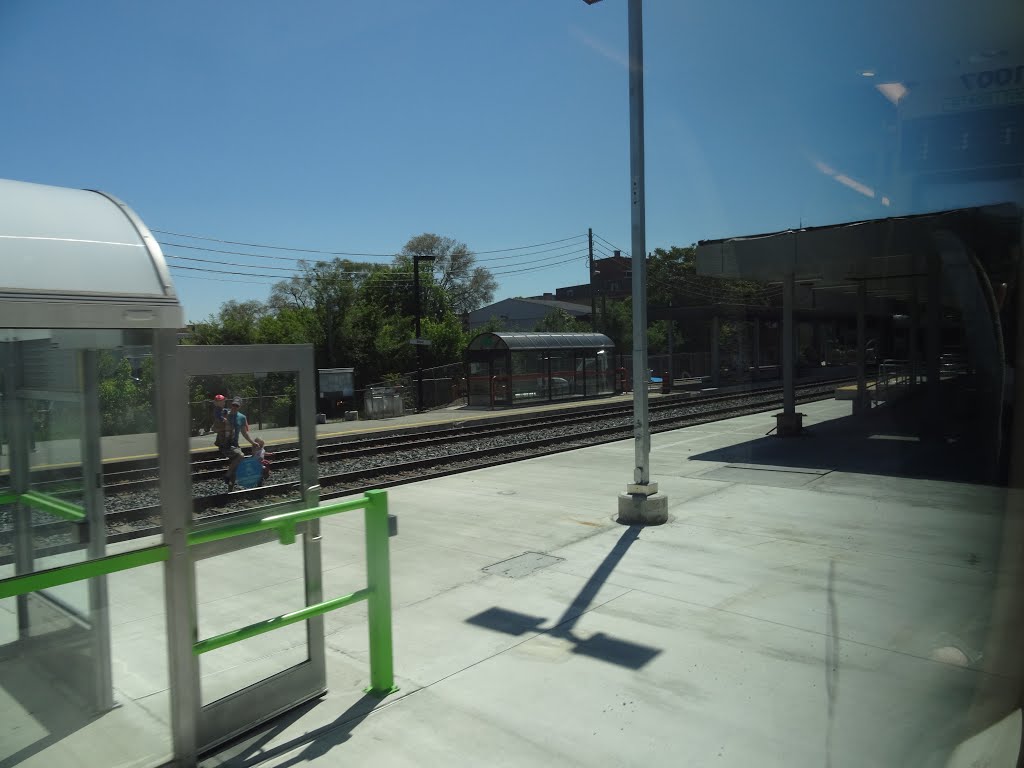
x=218, y=397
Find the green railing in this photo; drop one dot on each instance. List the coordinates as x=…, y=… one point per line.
x=46, y=503
x=377, y=592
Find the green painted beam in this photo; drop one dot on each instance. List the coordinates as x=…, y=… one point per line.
x=66, y=574
x=219, y=641
x=46, y=503
x=283, y=523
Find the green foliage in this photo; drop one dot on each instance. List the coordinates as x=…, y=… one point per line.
x=560, y=321
x=126, y=396
x=493, y=325
x=467, y=287
x=615, y=320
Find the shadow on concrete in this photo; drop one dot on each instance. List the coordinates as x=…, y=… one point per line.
x=42, y=704
x=248, y=750
x=598, y=646
x=907, y=438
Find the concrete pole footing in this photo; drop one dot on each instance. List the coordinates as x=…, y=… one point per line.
x=640, y=509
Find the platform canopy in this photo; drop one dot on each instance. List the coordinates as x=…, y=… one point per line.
x=890, y=255
x=76, y=258
x=529, y=341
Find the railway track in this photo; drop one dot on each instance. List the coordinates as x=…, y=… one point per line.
x=356, y=465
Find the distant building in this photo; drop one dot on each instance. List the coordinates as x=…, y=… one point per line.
x=613, y=279
x=523, y=314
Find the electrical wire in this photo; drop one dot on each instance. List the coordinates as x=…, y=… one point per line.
x=340, y=253
x=292, y=259
x=613, y=246
x=531, y=269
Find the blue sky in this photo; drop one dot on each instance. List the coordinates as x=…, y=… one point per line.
x=352, y=126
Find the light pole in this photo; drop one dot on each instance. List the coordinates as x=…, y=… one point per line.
x=641, y=503
x=418, y=341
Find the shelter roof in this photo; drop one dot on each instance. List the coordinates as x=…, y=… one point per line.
x=889, y=254
x=530, y=341
x=79, y=248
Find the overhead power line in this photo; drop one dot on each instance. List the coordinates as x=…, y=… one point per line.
x=613, y=245
x=295, y=259
x=341, y=253
x=534, y=269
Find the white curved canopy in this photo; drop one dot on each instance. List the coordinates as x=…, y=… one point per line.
x=79, y=258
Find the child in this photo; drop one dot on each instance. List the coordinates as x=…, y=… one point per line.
x=220, y=422
x=259, y=452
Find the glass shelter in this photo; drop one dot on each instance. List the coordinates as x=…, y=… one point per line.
x=116, y=553
x=519, y=368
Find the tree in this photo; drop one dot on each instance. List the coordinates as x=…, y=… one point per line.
x=468, y=287
x=560, y=321
x=320, y=298
x=234, y=323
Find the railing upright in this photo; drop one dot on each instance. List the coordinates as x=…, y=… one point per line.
x=378, y=582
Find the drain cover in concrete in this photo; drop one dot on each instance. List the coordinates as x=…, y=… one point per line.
x=523, y=565
x=754, y=474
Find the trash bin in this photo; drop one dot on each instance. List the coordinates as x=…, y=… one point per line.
x=321, y=418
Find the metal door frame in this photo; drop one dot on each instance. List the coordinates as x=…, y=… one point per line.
x=196, y=728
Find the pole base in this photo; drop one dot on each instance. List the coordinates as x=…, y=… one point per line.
x=789, y=424
x=640, y=509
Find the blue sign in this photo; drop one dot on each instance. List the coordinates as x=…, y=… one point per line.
x=249, y=472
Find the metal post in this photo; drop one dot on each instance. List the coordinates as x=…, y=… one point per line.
x=915, y=330
x=757, y=348
x=593, y=298
x=260, y=413
x=419, y=354
x=641, y=432
x=716, y=330
x=18, y=429
x=933, y=347
x=179, y=569
x=92, y=477
x=641, y=503
x=378, y=580
x=788, y=299
x=671, y=347
x=862, y=401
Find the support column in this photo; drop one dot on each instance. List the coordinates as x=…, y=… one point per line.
x=95, y=507
x=915, y=330
x=671, y=347
x=641, y=503
x=715, y=334
x=789, y=422
x=862, y=403
x=19, y=435
x=933, y=348
x=757, y=348
x=179, y=568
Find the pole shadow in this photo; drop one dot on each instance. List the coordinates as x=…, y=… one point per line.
x=598, y=646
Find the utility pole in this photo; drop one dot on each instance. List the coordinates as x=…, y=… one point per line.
x=593, y=299
x=418, y=341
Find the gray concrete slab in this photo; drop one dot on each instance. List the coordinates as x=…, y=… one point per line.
x=841, y=620
x=794, y=625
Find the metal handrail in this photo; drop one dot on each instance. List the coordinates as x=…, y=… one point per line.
x=44, y=502
x=377, y=592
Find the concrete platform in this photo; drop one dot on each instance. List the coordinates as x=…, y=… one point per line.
x=811, y=601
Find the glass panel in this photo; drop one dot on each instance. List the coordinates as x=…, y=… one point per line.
x=241, y=588
x=479, y=383
x=227, y=440
x=44, y=721
x=562, y=382
x=529, y=376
